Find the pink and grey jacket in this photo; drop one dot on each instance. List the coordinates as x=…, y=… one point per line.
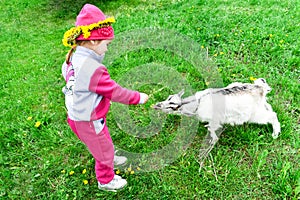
x=90, y=89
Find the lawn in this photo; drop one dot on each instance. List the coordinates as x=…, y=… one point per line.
x=160, y=48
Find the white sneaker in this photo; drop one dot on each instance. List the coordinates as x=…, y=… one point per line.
x=114, y=185
x=120, y=160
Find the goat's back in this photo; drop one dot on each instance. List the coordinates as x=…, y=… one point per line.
x=233, y=105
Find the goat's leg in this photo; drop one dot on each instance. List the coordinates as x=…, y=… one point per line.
x=275, y=124
x=213, y=127
x=273, y=120
x=267, y=116
x=214, y=137
x=207, y=146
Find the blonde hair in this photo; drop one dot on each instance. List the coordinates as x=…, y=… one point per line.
x=69, y=54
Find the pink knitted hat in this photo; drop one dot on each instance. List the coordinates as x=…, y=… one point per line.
x=90, y=14
x=91, y=24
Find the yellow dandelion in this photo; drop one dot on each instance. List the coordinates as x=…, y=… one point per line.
x=85, y=182
x=270, y=35
x=202, y=47
x=215, y=55
x=221, y=53
x=29, y=118
x=71, y=173
x=84, y=171
x=37, y=124
x=138, y=168
x=132, y=172
x=63, y=171
x=118, y=172
x=233, y=75
x=252, y=78
x=129, y=169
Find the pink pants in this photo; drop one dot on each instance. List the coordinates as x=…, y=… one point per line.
x=100, y=145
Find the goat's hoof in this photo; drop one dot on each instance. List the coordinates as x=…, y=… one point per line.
x=275, y=136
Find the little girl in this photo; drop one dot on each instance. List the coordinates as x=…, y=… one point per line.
x=89, y=91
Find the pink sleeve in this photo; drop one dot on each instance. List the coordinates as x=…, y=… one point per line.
x=102, y=84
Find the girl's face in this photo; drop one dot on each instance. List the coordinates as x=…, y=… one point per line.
x=100, y=47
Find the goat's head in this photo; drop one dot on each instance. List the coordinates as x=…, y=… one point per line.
x=263, y=83
x=171, y=104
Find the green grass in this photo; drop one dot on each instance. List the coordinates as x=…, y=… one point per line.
x=244, y=38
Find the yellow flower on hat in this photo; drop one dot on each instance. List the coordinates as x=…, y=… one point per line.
x=70, y=36
x=85, y=31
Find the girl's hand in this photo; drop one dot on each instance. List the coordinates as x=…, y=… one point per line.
x=143, y=98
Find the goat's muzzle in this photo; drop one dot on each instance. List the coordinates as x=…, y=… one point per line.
x=157, y=106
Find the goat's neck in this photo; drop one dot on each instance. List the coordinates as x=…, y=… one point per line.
x=189, y=106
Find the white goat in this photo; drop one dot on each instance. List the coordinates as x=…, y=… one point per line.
x=235, y=104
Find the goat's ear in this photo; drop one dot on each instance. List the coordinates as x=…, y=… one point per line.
x=260, y=80
x=181, y=92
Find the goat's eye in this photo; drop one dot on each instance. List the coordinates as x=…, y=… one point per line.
x=172, y=103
